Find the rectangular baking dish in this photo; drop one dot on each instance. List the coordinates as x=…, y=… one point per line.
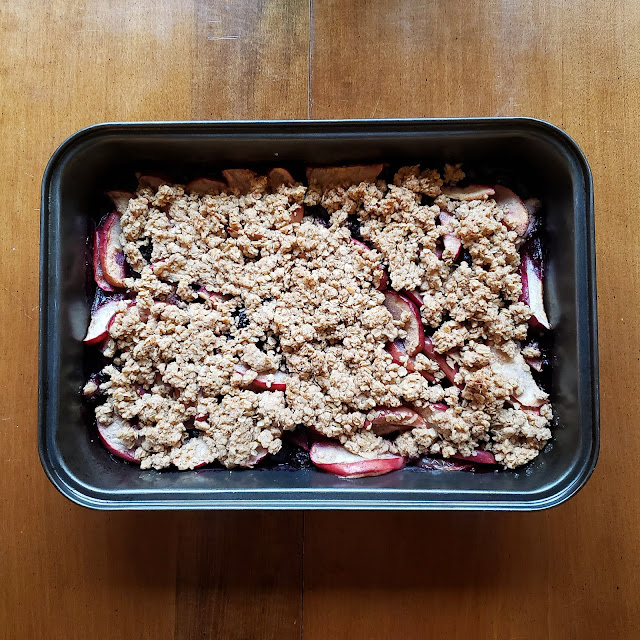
x=539, y=159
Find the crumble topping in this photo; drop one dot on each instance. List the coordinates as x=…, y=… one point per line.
x=233, y=291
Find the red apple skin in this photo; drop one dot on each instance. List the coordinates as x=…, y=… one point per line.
x=260, y=455
x=108, y=437
x=481, y=457
x=532, y=276
x=101, y=319
x=397, y=305
x=535, y=363
x=98, y=276
x=407, y=419
x=471, y=192
x=205, y=186
x=516, y=212
x=449, y=372
x=111, y=256
x=261, y=383
x=335, y=459
x=398, y=353
x=414, y=296
x=296, y=213
x=343, y=176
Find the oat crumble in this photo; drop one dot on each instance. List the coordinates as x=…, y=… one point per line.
x=237, y=289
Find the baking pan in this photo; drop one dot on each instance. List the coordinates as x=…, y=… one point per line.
x=532, y=156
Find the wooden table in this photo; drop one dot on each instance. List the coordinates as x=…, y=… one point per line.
x=572, y=572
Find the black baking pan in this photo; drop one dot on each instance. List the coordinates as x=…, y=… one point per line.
x=534, y=157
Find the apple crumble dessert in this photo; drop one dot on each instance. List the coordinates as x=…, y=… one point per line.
x=370, y=322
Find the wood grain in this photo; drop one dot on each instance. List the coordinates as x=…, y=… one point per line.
x=571, y=572
x=66, y=572
x=71, y=573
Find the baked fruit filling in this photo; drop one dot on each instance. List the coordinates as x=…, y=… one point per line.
x=365, y=322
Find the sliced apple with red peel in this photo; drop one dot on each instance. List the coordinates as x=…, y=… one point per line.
x=335, y=459
x=98, y=276
x=211, y=295
x=239, y=180
x=403, y=310
x=517, y=371
x=514, y=208
x=278, y=177
x=441, y=360
x=414, y=296
x=471, y=192
x=427, y=411
x=343, y=176
x=296, y=213
x=265, y=381
x=108, y=434
x=479, y=456
x=111, y=256
x=151, y=181
x=260, y=454
x=399, y=355
x=120, y=199
x=531, y=275
x=271, y=381
x=450, y=240
x=100, y=321
x=388, y=420
x=440, y=464
x=535, y=363
x=205, y=186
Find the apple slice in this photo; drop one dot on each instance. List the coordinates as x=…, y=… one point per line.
x=388, y=420
x=515, y=211
x=111, y=255
x=98, y=275
x=440, y=464
x=399, y=355
x=451, y=242
x=205, y=186
x=108, y=434
x=296, y=213
x=440, y=358
x=343, y=176
x=260, y=454
x=535, y=363
x=211, y=295
x=479, y=456
x=531, y=274
x=404, y=310
x=101, y=318
x=471, y=192
x=518, y=372
x=151, y=181
x=265, y=381
x=120, y=199
x=335, y=459
x=278, y=177
x=239, y=179
x=427, y=412
x=271, y=381
x=414, y=296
